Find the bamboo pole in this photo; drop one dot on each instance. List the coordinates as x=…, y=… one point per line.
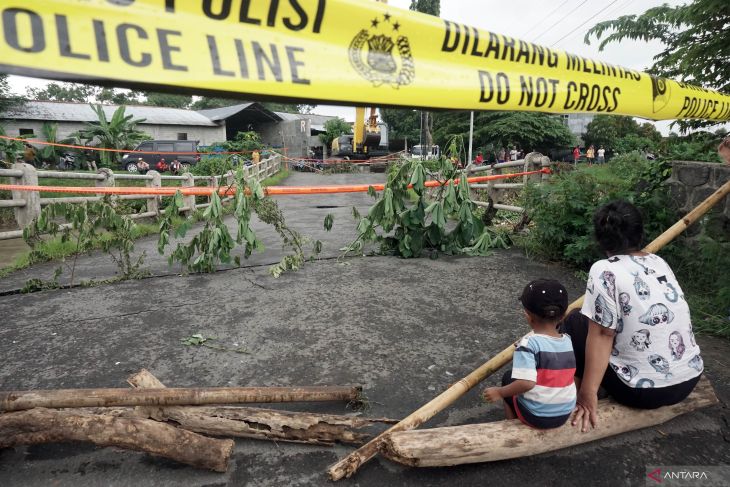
x=258, y=423
x=42, y=425
x=72, y=398
x=349, y=465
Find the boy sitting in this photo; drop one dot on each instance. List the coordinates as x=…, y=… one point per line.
x=539, y=390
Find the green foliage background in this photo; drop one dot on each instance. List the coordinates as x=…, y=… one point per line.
x=562, y=230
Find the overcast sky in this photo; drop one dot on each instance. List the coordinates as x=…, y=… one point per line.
x=545, y=22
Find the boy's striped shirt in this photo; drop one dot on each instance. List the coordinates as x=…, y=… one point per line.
x=550, y=363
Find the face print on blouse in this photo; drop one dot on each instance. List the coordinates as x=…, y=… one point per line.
x=608, y=280
x=625, y=299
x=676, y=345
x=601, y=314
x=660, y=364
x=626, y=372
x=641, y=288
x=641, y=340
x=658, y=314
x=638, y=261
x=696, y=363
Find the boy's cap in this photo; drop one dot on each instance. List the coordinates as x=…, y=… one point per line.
x=546, y=298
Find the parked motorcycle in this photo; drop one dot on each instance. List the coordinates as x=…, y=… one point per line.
x=67, y=161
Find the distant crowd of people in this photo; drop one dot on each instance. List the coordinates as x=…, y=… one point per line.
x=592, y=155
x=502, y=155
x=162, y=166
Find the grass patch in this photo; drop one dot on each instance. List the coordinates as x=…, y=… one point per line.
x=56, y=249
x=276, y=178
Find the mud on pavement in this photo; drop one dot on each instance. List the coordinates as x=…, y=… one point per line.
x=403, y=329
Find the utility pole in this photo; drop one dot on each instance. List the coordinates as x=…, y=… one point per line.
x=471, y=138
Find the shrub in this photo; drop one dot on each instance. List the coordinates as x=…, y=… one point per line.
x=562, y=230
x=212, y=166
x=562, y=212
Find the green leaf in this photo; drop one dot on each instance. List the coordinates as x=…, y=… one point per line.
x=328, y=220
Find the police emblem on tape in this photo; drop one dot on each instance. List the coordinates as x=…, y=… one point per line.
x=380, y=59
x=660, y=92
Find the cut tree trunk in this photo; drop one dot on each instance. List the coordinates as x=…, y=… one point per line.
x=71, y=398
x=348, y=465
x=502, y=440
x=42, y=425
x=268, y=424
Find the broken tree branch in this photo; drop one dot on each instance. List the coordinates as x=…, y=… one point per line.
x=268, y=424
x=42, y=425
x=71, y=398
x=349, y=465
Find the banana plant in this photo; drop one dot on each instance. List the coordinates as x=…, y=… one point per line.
x=118, y=133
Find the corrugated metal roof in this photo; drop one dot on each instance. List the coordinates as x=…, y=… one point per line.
x=82, y=112
x=218, y=114
x=223, y=113
x=290, y=116
x=313, y=118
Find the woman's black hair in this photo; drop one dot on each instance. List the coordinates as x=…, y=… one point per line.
x=618, y=227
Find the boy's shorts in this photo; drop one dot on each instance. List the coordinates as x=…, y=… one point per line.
x=539, y=422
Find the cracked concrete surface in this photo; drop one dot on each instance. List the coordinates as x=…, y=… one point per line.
x=403, y=329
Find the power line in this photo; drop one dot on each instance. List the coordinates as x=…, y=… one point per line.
x=544, y=18
x=608, y=14
x=584, y=23
x=560, y=20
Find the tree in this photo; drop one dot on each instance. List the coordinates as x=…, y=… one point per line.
x=694, y=35
x=494, y=130
x=66, y=92
x=118, y=133
x=118, y=97
x=50, y=134
x=288, y=107
x=167, y=100
x=431, y=7
x=208, y=102
x=82, y=93
x=622, y=134
x=7, y=99
x=402, y=123
x=332, y=129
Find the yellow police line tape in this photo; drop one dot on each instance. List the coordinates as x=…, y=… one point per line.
x=344, y=51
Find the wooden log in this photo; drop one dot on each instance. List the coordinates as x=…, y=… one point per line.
x=349, y=465
x=267, y=424
x=42, y=425
x=502, y=440
x=71, y=398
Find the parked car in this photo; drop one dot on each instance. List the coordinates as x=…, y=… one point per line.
x=151, y=151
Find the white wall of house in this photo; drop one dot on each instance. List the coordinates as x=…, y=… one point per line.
x=206, y=135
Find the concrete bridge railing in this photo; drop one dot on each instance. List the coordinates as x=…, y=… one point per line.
x=27, y=205
x=534, y=161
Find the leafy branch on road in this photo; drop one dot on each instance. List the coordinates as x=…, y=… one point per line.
x=409, y=219
x=214, y=245
x=199, y=340
x=90, y=225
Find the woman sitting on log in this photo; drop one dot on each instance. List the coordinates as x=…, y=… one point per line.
x=633, y=335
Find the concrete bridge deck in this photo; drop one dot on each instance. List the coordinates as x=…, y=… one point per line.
x=404, y=329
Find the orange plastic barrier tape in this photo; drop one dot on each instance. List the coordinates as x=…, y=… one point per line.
x=126, y=151
x=229, y=191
